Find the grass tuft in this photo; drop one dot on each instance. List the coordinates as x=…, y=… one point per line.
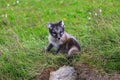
x=23, y=35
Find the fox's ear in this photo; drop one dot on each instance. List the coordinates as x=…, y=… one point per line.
x=49, y=25
x=62, y=23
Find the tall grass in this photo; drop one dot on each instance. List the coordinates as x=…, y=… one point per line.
x=23, y=35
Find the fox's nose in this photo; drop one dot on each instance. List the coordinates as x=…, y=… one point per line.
x=58, y=38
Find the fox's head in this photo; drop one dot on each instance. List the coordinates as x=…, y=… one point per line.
x=56, y=30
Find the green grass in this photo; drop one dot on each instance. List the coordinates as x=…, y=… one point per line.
x=23, y=35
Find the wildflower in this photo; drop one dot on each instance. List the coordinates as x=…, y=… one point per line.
x=5, y=15
x=96, y=14
x=17, y=1
x=2, y=15
x=61, y=2
x=89, y=18
x=100, y=10
x=90, y=13
x=8, y=5
x=14, y=3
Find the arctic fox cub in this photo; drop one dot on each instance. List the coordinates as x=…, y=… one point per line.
x=61, y=40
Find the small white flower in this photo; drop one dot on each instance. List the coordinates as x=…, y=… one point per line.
x=96, y=14
x=5, y=15
x=61, y=2
x=100, y=10
x=90, y=13
x=8, y=5
x=89, y=18
x=14, y=3
x=17, y=2
x=2, y=15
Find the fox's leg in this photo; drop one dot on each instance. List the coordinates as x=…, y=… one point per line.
x=49, y=47
x=58, y=49
x=72, y=51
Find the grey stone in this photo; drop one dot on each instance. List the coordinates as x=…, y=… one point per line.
x=64, y=73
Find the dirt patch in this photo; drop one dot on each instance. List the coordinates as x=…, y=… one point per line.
x=45, y=74
x=84, y=72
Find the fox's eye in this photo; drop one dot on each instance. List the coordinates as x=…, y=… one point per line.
x=61, y=33
x=54, y=33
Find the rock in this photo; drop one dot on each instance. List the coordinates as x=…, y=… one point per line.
x=64, y=73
